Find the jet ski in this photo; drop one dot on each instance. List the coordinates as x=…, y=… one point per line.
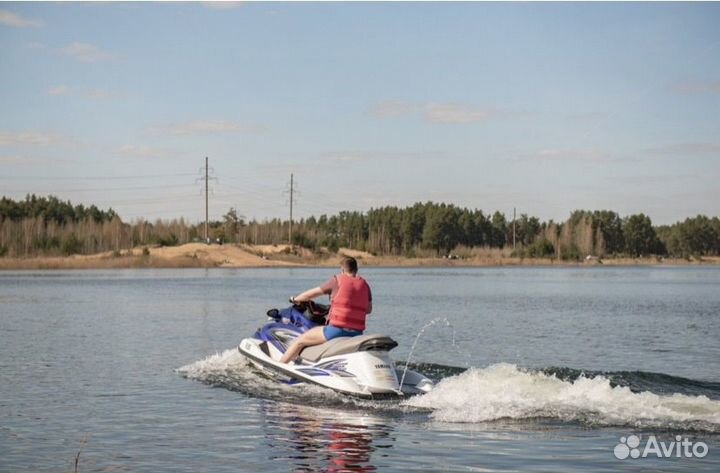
x=358, y=366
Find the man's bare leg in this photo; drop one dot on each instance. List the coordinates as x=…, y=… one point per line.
x=314, y=336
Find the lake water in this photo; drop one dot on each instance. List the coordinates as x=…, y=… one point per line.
x=539, y=369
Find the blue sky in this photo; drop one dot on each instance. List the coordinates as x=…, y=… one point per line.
x=542, y=107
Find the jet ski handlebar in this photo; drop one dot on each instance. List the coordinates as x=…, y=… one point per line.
x=318, y=310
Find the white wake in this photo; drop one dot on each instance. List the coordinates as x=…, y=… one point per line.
x=503, y=391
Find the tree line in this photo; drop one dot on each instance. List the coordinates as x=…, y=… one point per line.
x=49, y=226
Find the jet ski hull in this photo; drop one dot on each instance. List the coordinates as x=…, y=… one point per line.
x=368, y=374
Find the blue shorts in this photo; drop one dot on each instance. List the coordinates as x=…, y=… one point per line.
x=330, y=332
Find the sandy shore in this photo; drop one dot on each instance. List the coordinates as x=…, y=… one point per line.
x=199, y=255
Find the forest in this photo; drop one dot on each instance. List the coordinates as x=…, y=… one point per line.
x=48, y=226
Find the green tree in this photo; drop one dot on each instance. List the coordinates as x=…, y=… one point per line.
x=231, y=223
x=526, y=229
x=72, y=245
x=498, y=230
x=640, y=236
x=610, y=225
x=412, y=225
x=697, y=236
x=442, y=228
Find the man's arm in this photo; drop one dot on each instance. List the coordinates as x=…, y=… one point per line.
x=309, y=294
x=369, y=309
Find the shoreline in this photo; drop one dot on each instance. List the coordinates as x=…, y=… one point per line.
x=200, y=255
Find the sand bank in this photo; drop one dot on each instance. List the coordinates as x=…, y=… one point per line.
x=200, y=255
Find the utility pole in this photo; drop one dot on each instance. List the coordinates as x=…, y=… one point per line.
x=205, y=179
x=207, y=236
x=291, y=209
x=513, y=228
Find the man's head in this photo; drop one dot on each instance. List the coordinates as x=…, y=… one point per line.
x=349, y=265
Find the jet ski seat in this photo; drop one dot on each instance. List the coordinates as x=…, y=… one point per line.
x=345, y=345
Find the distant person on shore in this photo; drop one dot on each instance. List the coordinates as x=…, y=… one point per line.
x=351, y=302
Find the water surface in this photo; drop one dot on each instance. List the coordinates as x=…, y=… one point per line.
x=539, y=369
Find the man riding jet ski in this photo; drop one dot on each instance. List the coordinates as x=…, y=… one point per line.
x=299, y=347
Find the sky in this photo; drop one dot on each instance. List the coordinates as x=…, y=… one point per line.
x=542, y=107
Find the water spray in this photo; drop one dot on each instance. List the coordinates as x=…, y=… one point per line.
x=417, y=337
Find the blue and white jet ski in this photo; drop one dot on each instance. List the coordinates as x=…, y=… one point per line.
x=359, y=366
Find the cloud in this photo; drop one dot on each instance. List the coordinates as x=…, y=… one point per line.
x=58, y=90
x=222, y=5
x=576, y=155
x=393, y=109
x=556, y=154
x=587, y=115
x=145, y=152
x=11, y=160
x=16, y=160
x=8, y=18
x=331, y=161
x=648, y=179
x=686, y=148
x=698, y=87
x=456, y=113
x=85, y=52
x=435, y=112
x=99, y=94
x=345, y=158
x=28, y=138
x=92, y=94
x=209, y=127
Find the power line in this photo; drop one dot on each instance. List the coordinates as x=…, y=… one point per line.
x=168, y=214
x=163, y=199
x=253, y=195
x=248, y=193
x=106, y=189
x=92, y=178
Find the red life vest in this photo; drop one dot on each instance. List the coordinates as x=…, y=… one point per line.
x=350, y=304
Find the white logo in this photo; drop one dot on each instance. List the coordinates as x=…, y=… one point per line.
x=628, y=447
x=681, y=448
